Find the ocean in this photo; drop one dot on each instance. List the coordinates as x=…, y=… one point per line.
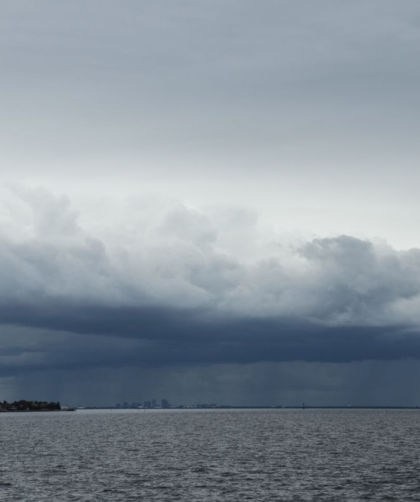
x=210, y=455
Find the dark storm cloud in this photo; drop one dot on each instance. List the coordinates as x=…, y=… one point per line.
x=173, y=277
x=358, y=383
x=167, y=290
x=159, y=336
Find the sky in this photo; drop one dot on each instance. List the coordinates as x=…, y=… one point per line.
x=210, y=201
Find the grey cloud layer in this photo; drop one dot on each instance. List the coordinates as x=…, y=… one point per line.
x=298, y=107
x=166, y=285
x=230, y=79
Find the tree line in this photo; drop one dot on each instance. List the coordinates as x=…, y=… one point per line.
x=24, y=405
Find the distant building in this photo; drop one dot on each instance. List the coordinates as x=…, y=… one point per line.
x=165, y=404
x=153, y=403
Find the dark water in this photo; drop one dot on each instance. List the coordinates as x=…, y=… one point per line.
x=293, y=455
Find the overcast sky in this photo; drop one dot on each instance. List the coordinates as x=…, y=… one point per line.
x=210, y=200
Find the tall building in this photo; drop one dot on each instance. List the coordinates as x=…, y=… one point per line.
x=165, y=404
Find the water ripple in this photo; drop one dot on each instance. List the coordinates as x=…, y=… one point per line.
x=229, y=455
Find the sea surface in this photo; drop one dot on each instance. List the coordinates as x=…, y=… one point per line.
x=210, y=455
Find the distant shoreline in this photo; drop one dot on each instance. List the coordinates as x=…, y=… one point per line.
x=32, y=411
x=257, y=408
x=174, y=408
x=26, y=406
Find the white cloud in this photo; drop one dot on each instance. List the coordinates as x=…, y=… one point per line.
x=165, y=254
